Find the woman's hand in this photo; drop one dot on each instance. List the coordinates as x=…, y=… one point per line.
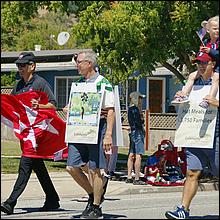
x=107, y=142
x=205, y=49
x=212, y=101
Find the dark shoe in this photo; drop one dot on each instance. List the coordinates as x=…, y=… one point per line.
x=112, y=176
x=6, y=208
x=88, y=207
x=49, y=207
x=139, y=182
x=94, y=213
x=129, y=180
x=111, y=173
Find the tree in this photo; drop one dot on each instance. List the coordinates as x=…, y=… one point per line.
x=13, y=15
x=44, y=30
x=17, y=21
x=128, y=35
x=133, y=36
x=8, y=79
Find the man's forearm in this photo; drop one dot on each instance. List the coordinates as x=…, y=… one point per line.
x=110, y=121
x=48, y=105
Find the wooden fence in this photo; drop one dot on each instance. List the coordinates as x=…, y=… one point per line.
x=158, y=126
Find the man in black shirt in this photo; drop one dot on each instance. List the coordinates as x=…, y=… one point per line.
x=30, y=81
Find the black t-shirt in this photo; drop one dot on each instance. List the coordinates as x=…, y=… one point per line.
x=134, y=118
x=37, y=83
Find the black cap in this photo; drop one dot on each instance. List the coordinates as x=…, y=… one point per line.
x=26, y=57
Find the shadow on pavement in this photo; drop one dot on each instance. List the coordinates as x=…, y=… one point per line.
x=105, y=216
x=205, y=217
x=37, y=210
x=86, y=200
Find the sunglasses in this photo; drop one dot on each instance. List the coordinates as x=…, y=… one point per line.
x=23, y=64
x=75, y=56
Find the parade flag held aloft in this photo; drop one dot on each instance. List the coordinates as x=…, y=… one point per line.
x=41, y=132
x=201, y=34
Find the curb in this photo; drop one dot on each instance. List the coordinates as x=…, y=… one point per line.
x=115, y=187
x=131, y=189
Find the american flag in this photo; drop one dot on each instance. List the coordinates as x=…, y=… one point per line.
x=201, y=34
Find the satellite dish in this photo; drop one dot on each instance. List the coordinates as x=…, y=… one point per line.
x=62, y=38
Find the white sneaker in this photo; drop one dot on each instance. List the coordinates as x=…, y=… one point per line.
x=180, y=99
x=141, y=174
x=204, y=104
x=133, y=174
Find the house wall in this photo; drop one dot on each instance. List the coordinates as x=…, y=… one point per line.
x=171, y=88
x=63, y=69
x=49, y=75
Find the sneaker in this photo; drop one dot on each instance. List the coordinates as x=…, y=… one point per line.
x=94, y=213
x=7, y=208
x=132, y=173
x=129, y=180
x=141, y=174
x=112, y=173
x=139, y=182
x=49, y=207
x=180, y=99
x=204, y=104
x=88, y=207
x=179, y=213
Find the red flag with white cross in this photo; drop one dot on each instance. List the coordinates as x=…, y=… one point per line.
x=41, y=132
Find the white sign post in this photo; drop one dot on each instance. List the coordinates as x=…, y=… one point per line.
x=195, y=126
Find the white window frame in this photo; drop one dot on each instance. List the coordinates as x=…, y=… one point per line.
x=63, y=77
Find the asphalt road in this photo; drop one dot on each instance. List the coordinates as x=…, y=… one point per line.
x=134, y=206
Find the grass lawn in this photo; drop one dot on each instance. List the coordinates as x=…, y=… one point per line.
x=10, y=148
x=10, y=165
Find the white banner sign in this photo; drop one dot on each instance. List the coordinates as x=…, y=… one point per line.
x=83, y=113
x=195, y=125
x=117, y=129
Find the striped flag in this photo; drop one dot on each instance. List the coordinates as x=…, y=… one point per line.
x=201, y=34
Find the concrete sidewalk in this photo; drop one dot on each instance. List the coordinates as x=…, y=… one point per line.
x=67, y=187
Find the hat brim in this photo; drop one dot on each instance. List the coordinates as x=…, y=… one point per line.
x=22, y=62
x=201, y=61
